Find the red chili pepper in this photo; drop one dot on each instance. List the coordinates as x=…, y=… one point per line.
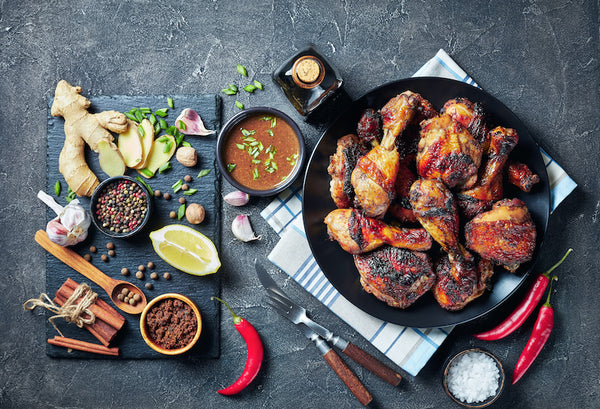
x=524, y=309
x=537, y=340
x=255, y=354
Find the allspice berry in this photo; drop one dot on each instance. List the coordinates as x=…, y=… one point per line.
x=172, y=215
x=125, y=271
x=194, y=213
x=139, y=275
x=187, y=178
x=167, y=196
x=182, y=200
x=167, y=276
x=157, y=193
x=104, y=257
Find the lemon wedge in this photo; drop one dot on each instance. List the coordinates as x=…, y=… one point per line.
x=186, y=249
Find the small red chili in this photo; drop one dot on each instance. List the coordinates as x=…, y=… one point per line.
x=524, y=309
x=255, y=353
x=537, y=340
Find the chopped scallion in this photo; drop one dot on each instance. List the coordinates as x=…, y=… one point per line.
x=162, y=112
x=242, y=70
x=186, y=144
x=259, y=85
x=239, y=104
x=231, y=167
x=164, y=167
x=181, y=212
x=146, y=172
x=250, y=88
x=190, y=192
x=177, y=185
x=181, y=125
x=139, y=179
x=203, y=173
x=170, y=103
x=141, y=131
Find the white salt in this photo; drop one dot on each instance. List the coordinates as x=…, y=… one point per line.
x=473, y=377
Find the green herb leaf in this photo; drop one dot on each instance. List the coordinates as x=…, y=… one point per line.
x=259, y=85
x=186, y=144
x=190, y=192
x=164, y=167
x=170, y=103
x=157, y=128
x=177, y=186
x=130, y=116
x=246, y=132
x=146, y=172
x=163, y=124
x=255, y=174
x=203, y=173
x=240, y=146
x=57, y=188
x=138, y=115
x=179, y=137
x=231, y=167
x=256, y=161
x=70, y=195
x=233, y=88
x=139, y=179
x=181, y=212
x=163, y=112
x=163, y=139
x=228, y=91
x=153, y=119
x=181, y=125
x=168, y=146
x=270, y=132
x=242, y=70
x=145, y=110
x=239, y=104
x=141, y=131
x=250, y=88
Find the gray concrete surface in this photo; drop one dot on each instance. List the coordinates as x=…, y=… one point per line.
x=539, y=58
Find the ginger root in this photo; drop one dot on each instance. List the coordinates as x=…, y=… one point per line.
x=83, y=127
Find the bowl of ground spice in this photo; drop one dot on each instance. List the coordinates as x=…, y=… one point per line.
x=171, y=324
x=120, y=206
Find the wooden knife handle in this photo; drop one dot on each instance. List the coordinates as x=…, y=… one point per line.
x=346, y=375
x=372, y=364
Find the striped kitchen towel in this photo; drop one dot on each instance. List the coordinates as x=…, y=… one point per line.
x=409, y=348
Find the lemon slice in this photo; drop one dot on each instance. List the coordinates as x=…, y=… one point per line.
x=186, y=249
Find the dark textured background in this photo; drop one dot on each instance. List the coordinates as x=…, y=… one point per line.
x=539, y=58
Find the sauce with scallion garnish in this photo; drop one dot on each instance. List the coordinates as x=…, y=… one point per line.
x=261, y=152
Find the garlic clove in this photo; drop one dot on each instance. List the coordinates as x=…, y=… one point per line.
x=75, y=218
x=57, y=233
x=237, y=198
x=242, y=229
x=192, y=123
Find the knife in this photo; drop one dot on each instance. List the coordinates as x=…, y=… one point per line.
x=300, y=318
x=340, y=368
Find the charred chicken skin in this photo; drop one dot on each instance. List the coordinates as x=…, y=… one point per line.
x=358, y=234
x=505, y=234
x=341, y=165
x=488, y=188
x=471, y=116
x=395, y=276
x=374, y=176
x=521, y=176
x=369, y=127
x=448, y=152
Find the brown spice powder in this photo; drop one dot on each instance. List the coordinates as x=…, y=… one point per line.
x=171, y=324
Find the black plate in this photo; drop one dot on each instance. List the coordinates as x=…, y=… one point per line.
x=338, y=266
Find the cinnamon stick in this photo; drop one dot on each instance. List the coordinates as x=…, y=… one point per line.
x=83, y=346
x=100, y=308
x=100, y=329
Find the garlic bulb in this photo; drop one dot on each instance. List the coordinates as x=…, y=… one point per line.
x=190, y=123
x=242, y=229
x=71, y=224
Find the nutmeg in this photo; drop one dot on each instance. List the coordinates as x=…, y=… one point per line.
x=186, y=155
x=194, y=213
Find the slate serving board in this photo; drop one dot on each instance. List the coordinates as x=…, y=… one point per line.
x=138, y=250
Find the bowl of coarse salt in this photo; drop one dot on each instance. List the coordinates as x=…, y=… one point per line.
x=474, y=378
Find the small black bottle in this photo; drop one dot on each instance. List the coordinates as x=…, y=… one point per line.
x=307, y=80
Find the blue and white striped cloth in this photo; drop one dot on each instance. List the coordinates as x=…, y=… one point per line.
x=409, y=348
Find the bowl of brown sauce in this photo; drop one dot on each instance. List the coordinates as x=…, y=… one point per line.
x=260, y=151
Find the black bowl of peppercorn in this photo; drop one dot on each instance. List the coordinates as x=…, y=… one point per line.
x=120, y=206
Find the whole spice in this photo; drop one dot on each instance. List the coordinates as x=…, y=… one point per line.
x=71, y=223
x=121, y=207
x=524, y=309
x=537, y=340
x=242, y=229
x=194, y=213
x=255, y=353
x=187, y=156
x=237, y=198
x=190, y=123
x=167, y=196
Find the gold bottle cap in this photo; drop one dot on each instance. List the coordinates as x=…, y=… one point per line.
x=308, y=71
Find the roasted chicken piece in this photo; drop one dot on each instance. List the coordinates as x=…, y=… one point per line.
x=358, y=234
x=448, y=152
x=460, y=280
x=341, y=165
x=505, y=234
x=471, y=116
x=401, y=209
x=374, y=176
x=369, y=127
x=521, y=176
x=395, y=276
x=488, y=188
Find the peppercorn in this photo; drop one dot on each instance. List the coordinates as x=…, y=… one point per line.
x=126, y=300
x=125, y=271
x=132, y=301
x=87, y=257
x=137, y=297
x=167, y=196
x=124, y=291
x=111, y=253
x=93, y=249
x=187, y=178
x=104, y=257
x=172, y=215
x=120, y=297
x=110, y=245
x=184, y=187
x=121, y=207
x=157, y=193
x=154, y=276
x=139, y=275
x=149, y=286
x=150, y=265
x=167, y=276
x=142, y=267
x=182, y=200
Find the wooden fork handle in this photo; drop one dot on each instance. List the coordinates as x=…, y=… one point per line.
x=348, y=377
x=372, y=364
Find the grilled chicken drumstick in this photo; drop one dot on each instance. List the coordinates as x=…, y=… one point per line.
x=341, y=165
x=521, y=176
x=375, y=173
x=357, y=233
x=471, y=116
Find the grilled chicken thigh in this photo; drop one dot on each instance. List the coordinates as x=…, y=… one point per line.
x=488, y=188
x=505, y=234
x=341, y=165
x=395, y=276
x=471, y=116
x=448, y=152
x=358, y=234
